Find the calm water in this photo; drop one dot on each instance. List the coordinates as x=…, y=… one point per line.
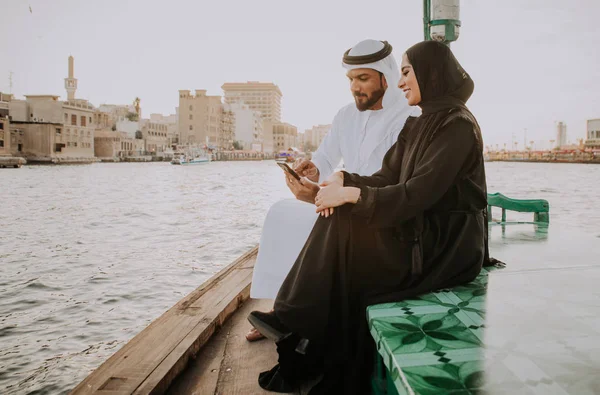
x=90, y=255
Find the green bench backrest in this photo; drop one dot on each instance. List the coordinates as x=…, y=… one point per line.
x=539, y=207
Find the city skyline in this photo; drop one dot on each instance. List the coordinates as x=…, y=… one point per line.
x=537, y=70
x=548, y=143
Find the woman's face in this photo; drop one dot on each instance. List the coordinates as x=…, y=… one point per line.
x=408, y=82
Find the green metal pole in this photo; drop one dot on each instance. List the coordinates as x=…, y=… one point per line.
x=426, y=19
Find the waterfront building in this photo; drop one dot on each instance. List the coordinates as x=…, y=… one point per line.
x=156, y=136
x=593, y=134
x=171, y=122
x=314, y=136
x=268, y=139
x=259, y=96
x=116, y=136
x=113, y=145
x=54, y=131
x=199, y=118
x=5, y=137
x=4, y=99
x=121, y=112
x=227, y=130
x=50, y=130
x=284, y=136
x=101, y=120
x=5, y=140
x=248, y=125
x=123, y=118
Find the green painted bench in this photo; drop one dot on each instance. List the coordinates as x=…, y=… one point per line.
x=431, y=344
x=539, y=207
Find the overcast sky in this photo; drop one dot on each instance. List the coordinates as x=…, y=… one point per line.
x=534, y=62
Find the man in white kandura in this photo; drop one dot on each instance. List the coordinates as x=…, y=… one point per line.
x=361, y=134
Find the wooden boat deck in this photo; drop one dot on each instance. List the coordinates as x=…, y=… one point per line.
x=228, y=364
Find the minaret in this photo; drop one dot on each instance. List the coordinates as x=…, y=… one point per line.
x=71, y=81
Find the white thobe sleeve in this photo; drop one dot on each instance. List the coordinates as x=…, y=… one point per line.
x=329, y=154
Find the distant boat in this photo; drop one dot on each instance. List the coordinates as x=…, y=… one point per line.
x=187, y=160
x=289, y=155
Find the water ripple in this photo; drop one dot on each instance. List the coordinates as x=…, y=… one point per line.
x=93, y=254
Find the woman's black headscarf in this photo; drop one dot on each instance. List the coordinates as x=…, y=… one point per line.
x=444, y=84
x=445, y=88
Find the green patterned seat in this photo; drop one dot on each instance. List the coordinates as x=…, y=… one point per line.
x=432, y=344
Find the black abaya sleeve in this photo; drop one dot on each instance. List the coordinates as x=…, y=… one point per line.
x=434, y=174
x=390, y=167
x=387, y=175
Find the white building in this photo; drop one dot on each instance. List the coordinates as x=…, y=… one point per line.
x=259, y=96
x=561, y=134
x=248, y=125
x=314, y=137
x=593, y=134
x=119, y=112
x=130, y=128
x=171, y=122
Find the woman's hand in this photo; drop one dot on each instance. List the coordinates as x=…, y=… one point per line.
x=333, y=195
x=335, y=178
x=330, y=196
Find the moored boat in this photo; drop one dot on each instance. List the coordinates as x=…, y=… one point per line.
x=188, y=160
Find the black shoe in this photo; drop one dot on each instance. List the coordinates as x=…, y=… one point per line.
x=269, y=325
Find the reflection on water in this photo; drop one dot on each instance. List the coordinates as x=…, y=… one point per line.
x=520, y=233
x=92, y=254
x=542, y=331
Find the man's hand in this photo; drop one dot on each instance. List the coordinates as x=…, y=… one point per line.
x=306, y=168
x=304, y=189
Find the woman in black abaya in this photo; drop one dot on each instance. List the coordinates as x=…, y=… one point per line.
x=417, y=225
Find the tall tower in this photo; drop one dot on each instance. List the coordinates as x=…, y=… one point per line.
x=71, y=81
x=561, y=134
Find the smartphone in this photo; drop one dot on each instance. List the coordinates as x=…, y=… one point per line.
x=291, y=171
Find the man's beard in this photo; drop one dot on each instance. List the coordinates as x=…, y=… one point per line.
x=363, y=106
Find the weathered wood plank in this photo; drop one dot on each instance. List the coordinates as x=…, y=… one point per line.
x=202, y=374
x=156, y=355
x=228, y=364
x=222, y=302
x=238, y=362
x=243, y=361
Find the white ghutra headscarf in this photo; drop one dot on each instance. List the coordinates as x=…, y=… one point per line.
x=380, y=58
